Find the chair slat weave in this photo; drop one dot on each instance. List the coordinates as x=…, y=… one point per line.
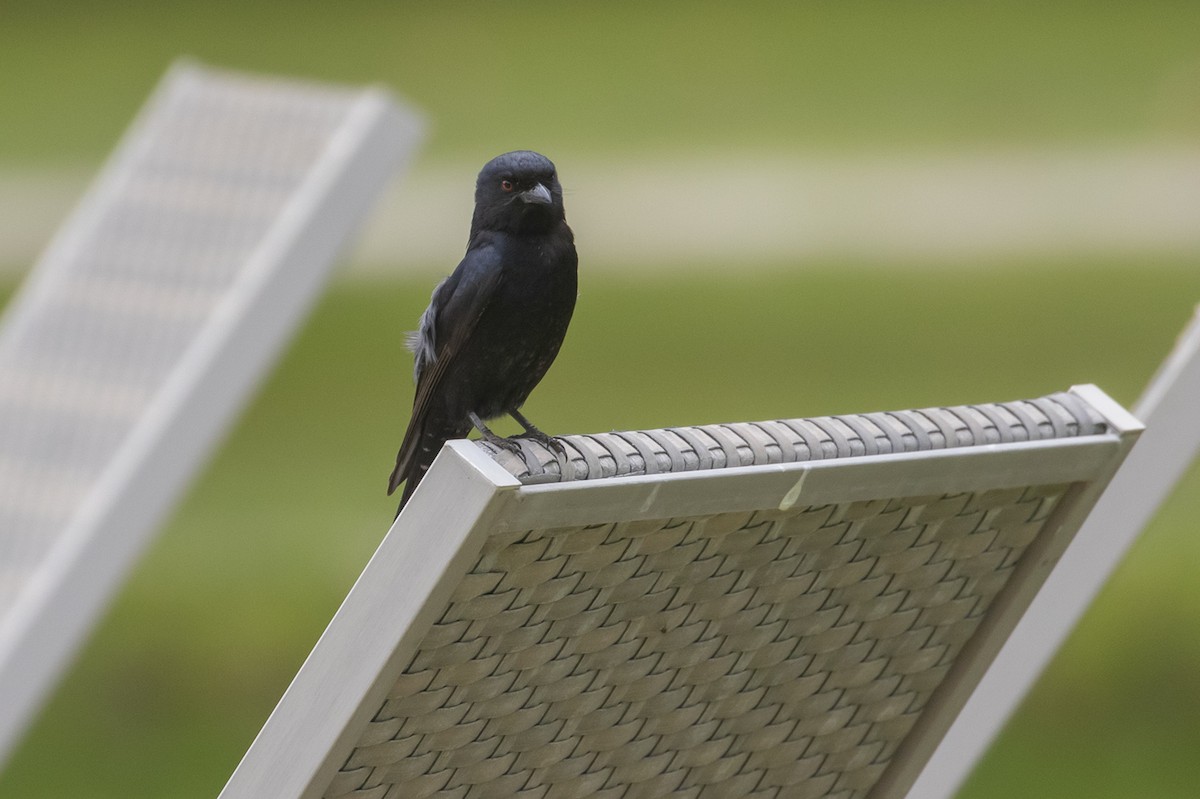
x=162, y=256
x=154, y=258
x=142, y=329
x=764, y=653
x=718, y=446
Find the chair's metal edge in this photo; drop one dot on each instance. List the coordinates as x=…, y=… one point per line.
x=38, y=632
x=1148, y=475
x=1007, y=609
x=1112, y=412
x=376, y=630
x=86, y=214
x=723, y=446
x=1178, y=376
x=745, y=488
x=828, y=480
x=199, y=400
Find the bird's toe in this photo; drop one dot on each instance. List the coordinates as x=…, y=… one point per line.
x=507, y=444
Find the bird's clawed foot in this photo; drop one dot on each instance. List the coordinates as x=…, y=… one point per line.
x=550, y=442
x=532, y=433
x=496, y=441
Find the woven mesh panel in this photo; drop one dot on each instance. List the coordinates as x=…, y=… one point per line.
x=763, y=654
x=716, y=446
x=135, y=282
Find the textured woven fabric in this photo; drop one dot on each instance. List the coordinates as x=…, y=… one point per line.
x=738, y=655
x=125, y=292
x=717, y=446
x=772, y=653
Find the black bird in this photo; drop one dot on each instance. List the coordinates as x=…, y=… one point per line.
x=494, y=326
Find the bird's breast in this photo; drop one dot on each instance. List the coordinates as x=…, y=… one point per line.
x=520, y=332
x=539, y=274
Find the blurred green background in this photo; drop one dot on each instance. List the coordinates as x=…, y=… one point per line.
x=217, y=618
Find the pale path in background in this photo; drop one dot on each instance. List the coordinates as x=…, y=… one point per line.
x=654, y=210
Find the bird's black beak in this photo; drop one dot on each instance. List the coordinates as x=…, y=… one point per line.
x=538, y=195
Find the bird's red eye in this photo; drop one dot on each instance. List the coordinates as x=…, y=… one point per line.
x=506, y=184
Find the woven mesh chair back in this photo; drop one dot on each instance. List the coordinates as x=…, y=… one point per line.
x=781, y=609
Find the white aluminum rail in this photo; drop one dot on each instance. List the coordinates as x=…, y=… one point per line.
x=1170, y=408
x=148, y=322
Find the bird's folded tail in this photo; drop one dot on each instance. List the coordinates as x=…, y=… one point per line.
x=422, y=442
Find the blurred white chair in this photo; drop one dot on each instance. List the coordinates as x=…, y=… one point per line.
x=147, y=323
x=1170, y=408
x=783, y=609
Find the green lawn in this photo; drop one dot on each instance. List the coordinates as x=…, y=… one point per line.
x=224, y=608
x=222, y=611
x=624, y=75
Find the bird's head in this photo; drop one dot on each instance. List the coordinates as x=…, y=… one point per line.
x=518, y=192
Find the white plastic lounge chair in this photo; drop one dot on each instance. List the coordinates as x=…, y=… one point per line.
x=148, y=321
x=1170, y=408
x=780, y=609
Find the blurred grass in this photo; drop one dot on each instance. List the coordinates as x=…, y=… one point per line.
x=617, y=76
x=223, y=610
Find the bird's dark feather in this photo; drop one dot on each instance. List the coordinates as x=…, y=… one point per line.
x=457, y=306
x=495, y=325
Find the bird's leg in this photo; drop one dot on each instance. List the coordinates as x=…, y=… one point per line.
x=537, y=435
x=492, y=438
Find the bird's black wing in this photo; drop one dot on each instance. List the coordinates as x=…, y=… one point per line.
x=446, y=325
